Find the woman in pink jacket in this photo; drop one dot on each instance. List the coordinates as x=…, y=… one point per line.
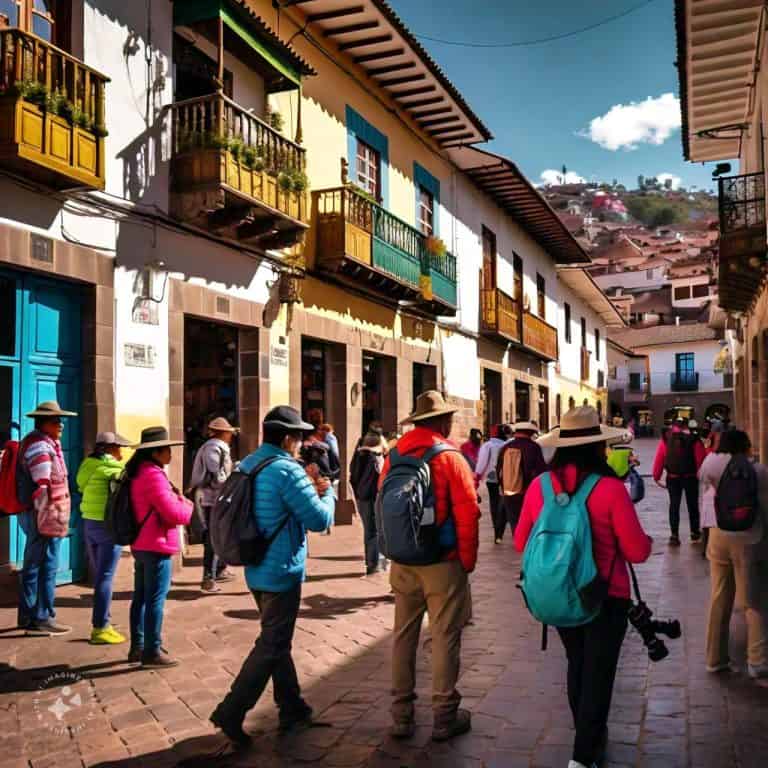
x=159, y=509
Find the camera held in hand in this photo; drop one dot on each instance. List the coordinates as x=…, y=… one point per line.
x=313, y=452
x=641, y=618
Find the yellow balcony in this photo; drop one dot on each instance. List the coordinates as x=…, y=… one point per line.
x=499, y=315
x=52, y=124
x=233, y=174
x=539, y=336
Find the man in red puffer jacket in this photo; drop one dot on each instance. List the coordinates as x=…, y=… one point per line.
x=440, y=589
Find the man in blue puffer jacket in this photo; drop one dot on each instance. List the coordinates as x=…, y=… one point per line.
x=284, y=491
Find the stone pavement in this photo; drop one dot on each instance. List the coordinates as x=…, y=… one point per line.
x=103, y=712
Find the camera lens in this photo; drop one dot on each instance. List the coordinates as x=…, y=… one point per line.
x=657, y=650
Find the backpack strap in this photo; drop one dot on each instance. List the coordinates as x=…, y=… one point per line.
x=436, y=450
x=547, y=491
x=587, y=486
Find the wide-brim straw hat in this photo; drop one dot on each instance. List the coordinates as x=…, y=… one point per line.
x=156, y=437
x=49, y=408
x=581, y=426
x=525, y=426
x=429, y=404
x=220, y=424
x=113, y=438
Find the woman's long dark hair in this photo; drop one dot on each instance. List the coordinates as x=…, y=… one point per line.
x=99, y=451
x=589, y=459
x=138, y=458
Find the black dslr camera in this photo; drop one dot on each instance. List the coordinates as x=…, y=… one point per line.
x=641, y=618
x=316, y=453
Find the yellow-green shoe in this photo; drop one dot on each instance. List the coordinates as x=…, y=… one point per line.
x=106, y=636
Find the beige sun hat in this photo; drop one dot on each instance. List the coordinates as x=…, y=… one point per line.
x=581, y=426
x=49, y=408
x=113, y=438
x=220, y=424
x=428, y=405
x=525, y=426
x=156, y=437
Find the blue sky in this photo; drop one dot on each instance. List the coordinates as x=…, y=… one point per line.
x=540, y=101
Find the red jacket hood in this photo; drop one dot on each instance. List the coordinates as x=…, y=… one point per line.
x=419, y=439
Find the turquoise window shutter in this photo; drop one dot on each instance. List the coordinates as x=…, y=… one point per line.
x=359, y=128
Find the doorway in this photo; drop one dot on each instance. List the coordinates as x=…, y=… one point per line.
x=491, y=400
x=523, y=401
x=210, y=382
x=41, y=359
x=424, y=379
x=544, y=409
x=379, y=392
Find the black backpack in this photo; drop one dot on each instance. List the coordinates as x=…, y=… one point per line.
x=119, y=519
x=681, y=459
x=364, y=475
x=233, y=529
x=736, y=502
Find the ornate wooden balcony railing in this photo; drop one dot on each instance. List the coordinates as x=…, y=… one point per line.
x=741, y=202
x=52, y=122
x=353, y=231
x=585, y=364
x=539, y=336
x=233, y=172
x=499, y=314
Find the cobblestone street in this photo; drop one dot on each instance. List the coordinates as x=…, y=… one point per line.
x=664, y=715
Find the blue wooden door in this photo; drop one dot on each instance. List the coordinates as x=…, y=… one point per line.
x=49, y=365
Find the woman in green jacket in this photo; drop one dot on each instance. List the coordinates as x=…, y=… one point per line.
x=93, y=477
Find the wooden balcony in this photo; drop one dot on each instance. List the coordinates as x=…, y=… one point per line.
x=233, y=174
x=539, y=336
x=362, y=244
x=499, y=315
x=585, y=364
x=52, y=123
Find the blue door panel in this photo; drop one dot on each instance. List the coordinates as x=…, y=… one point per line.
x=53, y=324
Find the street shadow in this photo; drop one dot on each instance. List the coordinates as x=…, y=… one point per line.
x=332, y=576
x=337, y=558
x=209, y=751
x=325, y=607
x=17, y=680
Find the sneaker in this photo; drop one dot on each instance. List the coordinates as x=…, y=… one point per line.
x=106, y=636
x=695, y=537
x=497, y=541
x=757, y=671
x=717, y=668
x=225, y=575
x=47, y=628
x=461, y=723
x=209, y=585
x=232, y=730
x=674, y=540
x=301, y=716
x=135, y=654
x=405, y=729
x=158, y=660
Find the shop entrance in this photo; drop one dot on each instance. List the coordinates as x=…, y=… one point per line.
x=424, y=378
x=491, y=400
x=210, y=382
x=41, y=359
x=522, y=401
x=379, y=392
x=544, y=409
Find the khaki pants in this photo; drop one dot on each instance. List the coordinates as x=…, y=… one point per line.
x=442, y=591
x=735, y=574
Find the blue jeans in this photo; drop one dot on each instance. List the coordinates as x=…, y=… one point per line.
x=104, y=555
x=152, y=580
x=37, y=580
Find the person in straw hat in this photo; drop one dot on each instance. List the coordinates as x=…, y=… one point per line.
x=440, y=589
x=592, y=649
x=210, y=469
x=159, y=510
x=103, y=465
x=45, y=522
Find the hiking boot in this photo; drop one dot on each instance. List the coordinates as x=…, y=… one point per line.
x=135, y=654
x=674, y=540
x=757, y=671
x=724, y=667
x=106, y=636
x=300, y=716
x=209, y=585
x=497, y=540
x=461, y=723
x=230, y=728
x=46, y=628
x=225, y=575
x=158, y=660
x=404, y=729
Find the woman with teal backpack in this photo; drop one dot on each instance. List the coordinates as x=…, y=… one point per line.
x=93, y=478
x=581, y=511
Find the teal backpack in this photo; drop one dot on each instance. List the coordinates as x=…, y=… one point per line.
x=560, y=581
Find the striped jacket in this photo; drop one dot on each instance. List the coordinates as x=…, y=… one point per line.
x=43, y=460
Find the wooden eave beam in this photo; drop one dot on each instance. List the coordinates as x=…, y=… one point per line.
x=337, y=14
x=346, y=29
x=388, y=54
x=376, y=71
x=392, y=81
x=365, y=42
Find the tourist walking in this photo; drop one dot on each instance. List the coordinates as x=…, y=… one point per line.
x=680, y=455
x=441, y=587
x=486, y=470
x=579, y=470
x=287, y=502
x=364, y=472
x=45, y=521
x=210, y=469
x=519, y=463
x=94, y=476
x=471, y=448
x=159, y=509
x=738, y=560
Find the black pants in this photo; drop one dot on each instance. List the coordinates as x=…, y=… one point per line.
x=370, y=534
x=512, y=507
x=497, y=513
x=210, y=561
x=269, y=658
x=593, y=655
x=676, y=486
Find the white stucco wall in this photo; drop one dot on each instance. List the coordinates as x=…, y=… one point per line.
x=662, y=364
x=634, y=280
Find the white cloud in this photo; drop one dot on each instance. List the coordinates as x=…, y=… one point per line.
x=551, y=176
x=626, y=126
x=676, y=180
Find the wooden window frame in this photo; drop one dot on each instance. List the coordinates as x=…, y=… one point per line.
x=541, y=296
x=568, y=333
x=368, y=180
x=490, y=280
x=425, y=211
x=597, y=344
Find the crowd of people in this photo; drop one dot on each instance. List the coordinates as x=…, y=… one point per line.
x=418, y=500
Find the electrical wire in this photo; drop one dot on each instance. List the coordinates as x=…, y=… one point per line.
x=540, y=40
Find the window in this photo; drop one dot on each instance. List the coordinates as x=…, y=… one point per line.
x=568, y=335
x=368, y=171
x=649, y=274
x=682, y=292
x=425, y=211
x=700, y=291
x=518, y=269
x=597, y=344
x=541, y=297
x=489, y=259
x=635, y=382
x=584, y=332
x=684, y=364
x=37, y=16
